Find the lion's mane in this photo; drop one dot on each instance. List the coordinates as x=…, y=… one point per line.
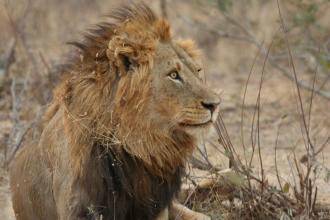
x=90, y=116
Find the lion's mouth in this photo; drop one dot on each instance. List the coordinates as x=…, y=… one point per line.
x=195, y=125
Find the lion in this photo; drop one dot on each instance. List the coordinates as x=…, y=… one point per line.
x=123, y=122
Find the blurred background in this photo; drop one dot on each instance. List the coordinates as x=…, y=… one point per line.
x=236, y=38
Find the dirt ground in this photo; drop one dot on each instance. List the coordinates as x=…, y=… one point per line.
x=49, y=24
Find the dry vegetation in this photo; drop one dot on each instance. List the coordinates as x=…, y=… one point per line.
x=270, y=59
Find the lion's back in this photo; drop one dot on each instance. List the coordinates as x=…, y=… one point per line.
x=30, y=188
x=31, y=179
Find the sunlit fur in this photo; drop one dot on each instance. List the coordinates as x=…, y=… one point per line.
x=111, y=105
x=116, y=94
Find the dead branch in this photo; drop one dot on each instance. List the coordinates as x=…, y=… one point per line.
x=275, y=157
x=8, y=58
x=45, y=63
x=243, y=106
x=196, y=163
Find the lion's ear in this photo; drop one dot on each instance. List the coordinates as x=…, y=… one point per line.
x=121, y=54
x=127, y=63
x=189, y=46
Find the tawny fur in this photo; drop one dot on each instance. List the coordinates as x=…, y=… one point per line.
x=115, y=133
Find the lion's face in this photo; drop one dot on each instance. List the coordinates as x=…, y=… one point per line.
x=180, y=98
x=168, y=94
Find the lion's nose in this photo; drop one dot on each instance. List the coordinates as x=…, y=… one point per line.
x=210, y=105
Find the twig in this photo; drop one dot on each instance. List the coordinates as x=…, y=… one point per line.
x=243, y=105
x=8, y=56
x=201, y=165
x=295, y=78
x=275, y=156
x=46, y=64
x=306, y=185
x=311, y=100
x=258, y=118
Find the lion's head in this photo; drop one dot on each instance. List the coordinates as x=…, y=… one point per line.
x=133, y=87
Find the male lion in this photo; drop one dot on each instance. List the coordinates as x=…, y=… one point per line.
x=120, y=128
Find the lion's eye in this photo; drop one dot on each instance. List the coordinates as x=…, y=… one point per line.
x=174, y=75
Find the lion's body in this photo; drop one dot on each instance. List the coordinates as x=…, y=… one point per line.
x=111, y=184
x=115, y=138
